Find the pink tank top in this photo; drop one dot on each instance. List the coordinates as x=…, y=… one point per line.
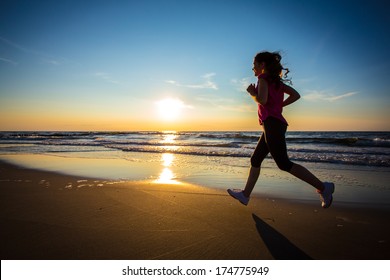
x=274, y=105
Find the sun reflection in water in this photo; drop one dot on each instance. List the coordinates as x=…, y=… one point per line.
x=169, y=137
x=167, y=176
x=168, y=141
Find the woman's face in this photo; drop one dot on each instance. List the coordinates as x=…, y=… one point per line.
x=258, y=68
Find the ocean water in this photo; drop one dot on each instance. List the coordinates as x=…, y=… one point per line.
x=358, y=162
x=343, y=148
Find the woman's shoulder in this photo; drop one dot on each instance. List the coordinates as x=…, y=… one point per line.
x=263, y=78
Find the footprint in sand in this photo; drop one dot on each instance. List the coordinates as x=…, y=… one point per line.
x=45, y=183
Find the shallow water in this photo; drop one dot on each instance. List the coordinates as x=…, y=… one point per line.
x=345, y=148
x=353, y=183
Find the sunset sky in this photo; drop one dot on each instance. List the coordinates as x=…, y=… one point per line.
x=184, y=65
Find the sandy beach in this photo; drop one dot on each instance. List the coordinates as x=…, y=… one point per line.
x=47, y=215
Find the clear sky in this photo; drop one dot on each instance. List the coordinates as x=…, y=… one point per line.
x=184, y=65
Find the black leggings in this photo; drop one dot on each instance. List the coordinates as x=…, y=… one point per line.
x=273, y=140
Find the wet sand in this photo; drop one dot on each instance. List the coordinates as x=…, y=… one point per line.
x=47, y=215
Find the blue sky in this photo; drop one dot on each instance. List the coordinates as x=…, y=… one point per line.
x=106, y=65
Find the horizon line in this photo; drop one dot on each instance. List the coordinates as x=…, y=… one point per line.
x=176, y=131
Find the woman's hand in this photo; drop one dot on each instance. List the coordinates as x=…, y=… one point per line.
x=251, y=90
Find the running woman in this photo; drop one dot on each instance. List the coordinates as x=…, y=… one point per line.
x=269, y=96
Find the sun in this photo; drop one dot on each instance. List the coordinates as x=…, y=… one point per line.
x=169, y=109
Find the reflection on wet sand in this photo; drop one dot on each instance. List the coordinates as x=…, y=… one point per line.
x=167, y=176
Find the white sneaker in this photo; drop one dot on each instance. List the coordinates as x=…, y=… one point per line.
x=326, y=195
x=239, y=195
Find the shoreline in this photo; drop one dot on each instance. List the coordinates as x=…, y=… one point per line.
x=47, y=215
x=353, y=185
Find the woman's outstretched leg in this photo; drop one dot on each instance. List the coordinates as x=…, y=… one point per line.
x=325, y=189
x=276, y=141
x=305, y=175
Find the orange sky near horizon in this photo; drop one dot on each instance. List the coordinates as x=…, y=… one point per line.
x=189, y=119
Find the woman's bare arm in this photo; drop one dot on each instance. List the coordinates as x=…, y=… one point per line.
x=293, y=95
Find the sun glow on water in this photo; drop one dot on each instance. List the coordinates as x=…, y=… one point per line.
x=169, y=137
